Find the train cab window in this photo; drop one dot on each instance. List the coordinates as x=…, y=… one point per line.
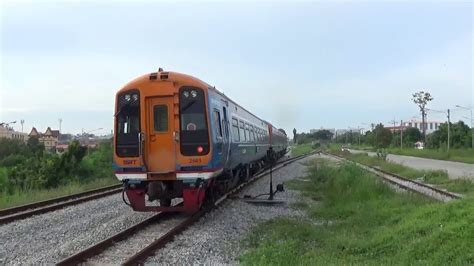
x=243, y=137
x=217, y=121
x=160, y=118
x=128, y=124
x=235, y=130
x=194, y=135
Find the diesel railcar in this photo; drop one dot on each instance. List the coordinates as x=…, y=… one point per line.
x=178, y=137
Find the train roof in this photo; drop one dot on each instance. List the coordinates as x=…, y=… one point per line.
x=165, y=76
x=184, y=78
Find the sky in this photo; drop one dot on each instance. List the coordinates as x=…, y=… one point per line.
x=303, y=65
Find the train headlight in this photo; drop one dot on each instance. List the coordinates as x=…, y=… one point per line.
x=186, y=94
x=135, y=97
x=194, y=93
x=127, y=97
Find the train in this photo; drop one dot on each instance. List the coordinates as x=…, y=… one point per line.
x=177, y=137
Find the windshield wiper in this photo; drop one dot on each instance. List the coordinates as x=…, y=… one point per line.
x=188, y=105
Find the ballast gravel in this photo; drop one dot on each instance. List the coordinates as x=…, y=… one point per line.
x=48, y=238
x=122, y=250
x=216, y=238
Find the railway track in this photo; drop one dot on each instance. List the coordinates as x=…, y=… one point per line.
x=405, y=183
x=27, y=210
x=180, y=224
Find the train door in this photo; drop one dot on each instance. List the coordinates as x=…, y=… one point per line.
x=218, y=132
x=160, y=156
x=226, y=137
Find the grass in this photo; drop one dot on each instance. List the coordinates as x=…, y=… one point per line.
x=21, y=197
x=437, y=178
x=362, y=221
x=302, y=149
x=457, y=155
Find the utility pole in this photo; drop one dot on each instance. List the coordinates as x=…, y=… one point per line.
x=22, y=122
x=448, y=129
x=60, y=122
x=401, y=134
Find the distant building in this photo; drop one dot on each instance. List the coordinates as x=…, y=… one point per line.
x=49, y=138
x=431, y=126
x=9, y=133
x=65, y=138
x=340, y=132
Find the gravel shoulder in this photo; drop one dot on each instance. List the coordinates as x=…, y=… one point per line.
x=51, y=237
x=216, y=238
x=454, y=169
x=48, y=238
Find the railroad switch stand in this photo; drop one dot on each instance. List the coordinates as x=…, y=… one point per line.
x=270, y=201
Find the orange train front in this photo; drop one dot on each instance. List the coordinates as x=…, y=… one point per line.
x=178, y=137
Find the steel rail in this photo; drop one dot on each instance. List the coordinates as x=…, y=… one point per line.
x=140, y=257
x=382, y=174
x=27, y=210
x=97, y=248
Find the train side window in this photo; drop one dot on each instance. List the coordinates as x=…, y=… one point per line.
x=252, y=133
x=242, y=131
x=235, y=130
x=254, y=129
x=160, y=118
x=217, y=120
x=247, y=132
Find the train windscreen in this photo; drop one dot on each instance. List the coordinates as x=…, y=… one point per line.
x=128, y=124
x=194, y=136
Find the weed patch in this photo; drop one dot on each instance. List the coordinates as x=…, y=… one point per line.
x=362, y=221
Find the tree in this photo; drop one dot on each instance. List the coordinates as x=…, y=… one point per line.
x=35, y=146
x=411, y=135
x=421, y=99
x=382, y=136
x=10, y=147
x=323, y=134
x=460, y=136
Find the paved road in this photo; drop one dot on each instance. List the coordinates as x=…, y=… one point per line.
x=454, y=169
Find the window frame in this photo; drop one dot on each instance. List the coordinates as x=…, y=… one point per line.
x=247, y=132
x=217, y=118
x=242, y=131
x=235, y=124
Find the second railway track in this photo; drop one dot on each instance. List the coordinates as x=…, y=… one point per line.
x=27, y=210
x=405, y=183
x=156, y=231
